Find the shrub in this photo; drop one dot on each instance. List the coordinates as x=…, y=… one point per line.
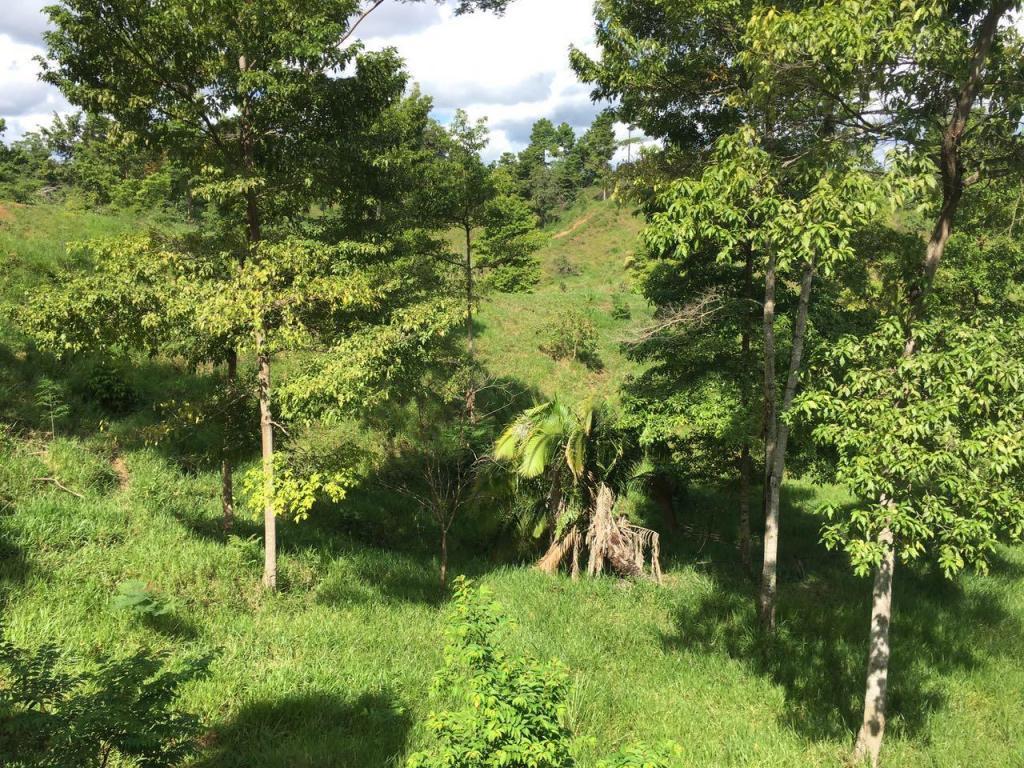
x=566, y=268
x=116, y=708
x=509, y=710
x=620, y=307
x=572, y=336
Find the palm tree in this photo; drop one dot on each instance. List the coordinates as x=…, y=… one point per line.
x=580, y=455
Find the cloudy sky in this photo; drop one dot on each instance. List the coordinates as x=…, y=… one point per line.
x=511, y=70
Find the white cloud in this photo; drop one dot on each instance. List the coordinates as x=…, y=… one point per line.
x=497, y=67
x=25, y=103
x=511, y=69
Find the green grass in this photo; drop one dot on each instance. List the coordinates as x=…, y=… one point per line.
x=514, y=325
x=335, y=670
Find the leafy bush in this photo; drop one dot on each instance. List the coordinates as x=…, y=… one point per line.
x=565, y=267
x=509, y=711
x=57, y=716
x=572, y=336
x=105, y=383
x=620, y=307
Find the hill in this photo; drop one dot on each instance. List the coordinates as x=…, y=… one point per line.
x=335, y=669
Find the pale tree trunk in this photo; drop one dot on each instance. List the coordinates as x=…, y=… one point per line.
x=227, y=493
x=869, y=740
x=267, y=446
x=780, y=432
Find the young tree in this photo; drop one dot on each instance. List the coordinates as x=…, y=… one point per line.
x=463, y=191
x=915, y=75
x=247, y=94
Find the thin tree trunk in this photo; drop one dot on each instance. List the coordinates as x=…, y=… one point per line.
x=869, y=740
x=227, y=493
x=471, y=392
x=746, y=462
x=746, y=470
x=780, y=431
x=267, y=445
x=444, y=558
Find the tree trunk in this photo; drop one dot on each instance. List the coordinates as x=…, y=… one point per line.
x=869, y=740
x=471, y=392
x=780, y=432
x=227, y=492
x=746, y=470
x=444, y=558
x=663, y=491
x=746, y=461
x=267, y=445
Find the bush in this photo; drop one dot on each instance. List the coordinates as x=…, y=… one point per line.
x=572, y=336
x=116, y=708
x=509, y=711
x=566, y=268
x=620, y=307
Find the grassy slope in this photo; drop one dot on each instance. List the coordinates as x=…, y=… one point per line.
x=514, y=325
x=335, y=670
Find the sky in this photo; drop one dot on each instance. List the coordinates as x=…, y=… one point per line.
x=512, y=69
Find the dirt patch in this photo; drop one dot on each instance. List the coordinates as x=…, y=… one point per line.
x=5, y=212
x=124, y=478
x=576, y=225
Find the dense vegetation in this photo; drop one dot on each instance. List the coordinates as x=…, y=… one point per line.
x=284, y=363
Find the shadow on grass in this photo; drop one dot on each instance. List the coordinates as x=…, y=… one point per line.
x=14, y=565
x=318, y=730
x=819, y=651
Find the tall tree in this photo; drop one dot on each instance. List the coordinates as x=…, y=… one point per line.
x=916, y=75
x=250, y=96
x=497, y=229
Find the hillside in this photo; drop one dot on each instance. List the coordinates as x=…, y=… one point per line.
x=583, y=267
x=335, y=669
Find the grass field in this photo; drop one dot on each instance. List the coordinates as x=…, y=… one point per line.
x=335, y=669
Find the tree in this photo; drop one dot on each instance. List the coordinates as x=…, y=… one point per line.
x=462, y=190
x=930, y=446
x=797, y=219
x=248, y=96
x=580, y=457
x=596, y=149
x=962, y=58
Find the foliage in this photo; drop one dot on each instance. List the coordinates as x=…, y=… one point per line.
x=140, y=599
x=641, y=756
x=620, y=307
x=51, y=400
x=572, y=336
x=510, y=710
x=508, y=243
x=120, y=707
x=929, y=444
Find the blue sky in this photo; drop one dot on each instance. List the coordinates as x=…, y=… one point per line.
x=511, y=70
